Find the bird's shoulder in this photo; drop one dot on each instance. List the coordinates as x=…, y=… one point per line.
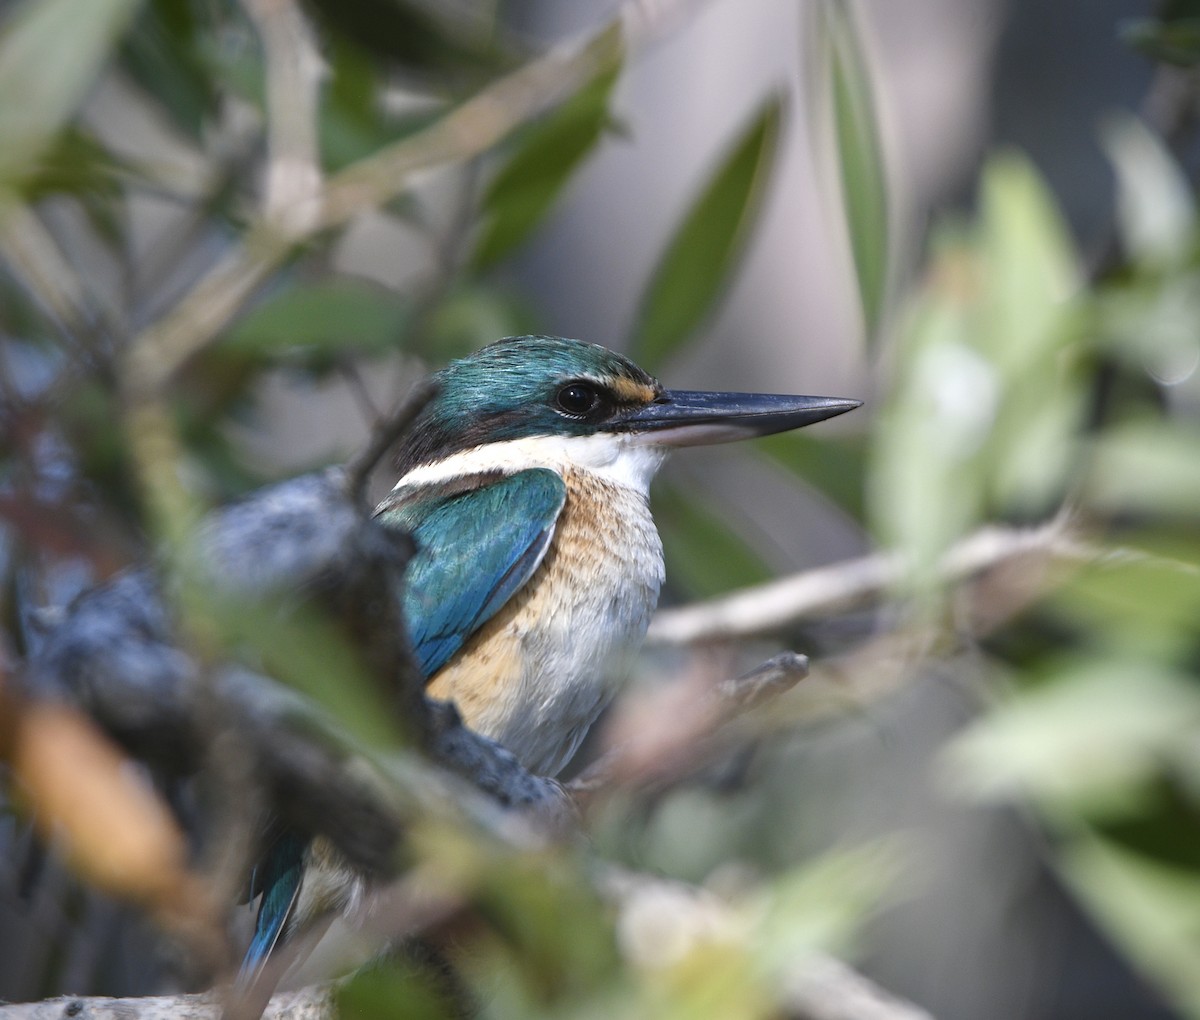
x=479, y=539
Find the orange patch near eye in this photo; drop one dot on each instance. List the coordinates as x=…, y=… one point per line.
x=630, y=391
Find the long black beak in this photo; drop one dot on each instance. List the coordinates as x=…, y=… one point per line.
x=684, y=418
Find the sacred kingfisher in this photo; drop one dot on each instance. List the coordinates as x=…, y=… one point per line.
x=525, y=484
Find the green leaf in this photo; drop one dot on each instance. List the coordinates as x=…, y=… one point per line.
x=321, y=321
x=526, y=187
x=701, y=256
x=703, y=556
x=1146, y=466
x=1089, y=739
x=50, y=54
x=984, y=411
x=1155, y=209
x=1152, y=911
x=470, y=316
x=353, y=121
x=164, y=54
x=393, y=989
x=1174, y=41
x=76, y=164
x=1146, y=601
x=860, y=156
x=834, y=465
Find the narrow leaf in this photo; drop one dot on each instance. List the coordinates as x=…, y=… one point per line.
x=860, y=157
x=526, y=187
x=834, y=465
x=704, y=557
x=340, y=316
x=700, y=258
x=50, y=53
x=165, y=55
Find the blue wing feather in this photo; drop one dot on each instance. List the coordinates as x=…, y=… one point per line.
x=475, y=549
x=478, y=542
x=278, y=880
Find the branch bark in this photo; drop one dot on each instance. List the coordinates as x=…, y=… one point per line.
x=777, y=604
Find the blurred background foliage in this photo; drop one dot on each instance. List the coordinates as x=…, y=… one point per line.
x=980, y=217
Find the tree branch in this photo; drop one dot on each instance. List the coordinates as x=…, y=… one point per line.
x=769, y=607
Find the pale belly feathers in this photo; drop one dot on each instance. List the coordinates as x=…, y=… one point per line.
x=537, y=675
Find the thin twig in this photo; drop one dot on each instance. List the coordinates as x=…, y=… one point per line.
x=769, y=607
x=293, y=184
x=385, y=435
x=671, y=733
x=469, y=130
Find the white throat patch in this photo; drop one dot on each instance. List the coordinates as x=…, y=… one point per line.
x=615, y=458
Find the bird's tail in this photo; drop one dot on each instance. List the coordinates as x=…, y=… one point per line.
x=277, y=879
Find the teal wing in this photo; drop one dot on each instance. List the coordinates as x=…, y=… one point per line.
x=475, y=548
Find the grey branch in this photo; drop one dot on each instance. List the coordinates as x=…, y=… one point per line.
x=847, y=585
x=313, y=1003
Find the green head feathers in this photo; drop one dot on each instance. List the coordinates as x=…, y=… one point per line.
x=526, y=386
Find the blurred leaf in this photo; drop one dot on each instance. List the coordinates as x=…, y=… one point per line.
x=306, y=651
x=50, y=53
x=834, y=465
x=354, y=121
x=1148, y=322
x=860, y=155
x=430, y=38
x=76, y=164
x=87, y=799
x=703, y=556
x=470, y=316
x=1155, y=209
x=702, y=255
x=1175, y=41
x=1147, y=467
x=1088, y=740
x=164, y=54
x=527, y=186
x=1145, y=600
x=315, y=323
x=822, y=904
x=543, y=907
x=391, y=989
x=983, y=413
x=1152, y=911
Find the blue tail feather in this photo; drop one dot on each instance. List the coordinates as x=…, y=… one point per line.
x=278, y=880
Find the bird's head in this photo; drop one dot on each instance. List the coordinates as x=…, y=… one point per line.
x=589, y=403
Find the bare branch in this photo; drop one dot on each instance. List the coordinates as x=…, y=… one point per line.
x=474, y=126
x=385, y=435
x=294, y=71
x=313, y=1003
x=852, y=583
x=669, y=732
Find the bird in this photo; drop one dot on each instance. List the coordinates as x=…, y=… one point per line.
x=524, y=482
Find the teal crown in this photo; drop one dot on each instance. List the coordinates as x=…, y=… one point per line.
x=522, y=387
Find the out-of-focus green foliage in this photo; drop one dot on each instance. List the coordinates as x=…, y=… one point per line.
x=859, y=150
x=524, y=189
x=43, y=93
x=704, y=557
x=1097, y=730
x=1173, y=41
x=313, y=324
x=698, y=262
x=984, y=415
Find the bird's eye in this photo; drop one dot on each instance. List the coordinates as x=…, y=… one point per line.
x=577, y=399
